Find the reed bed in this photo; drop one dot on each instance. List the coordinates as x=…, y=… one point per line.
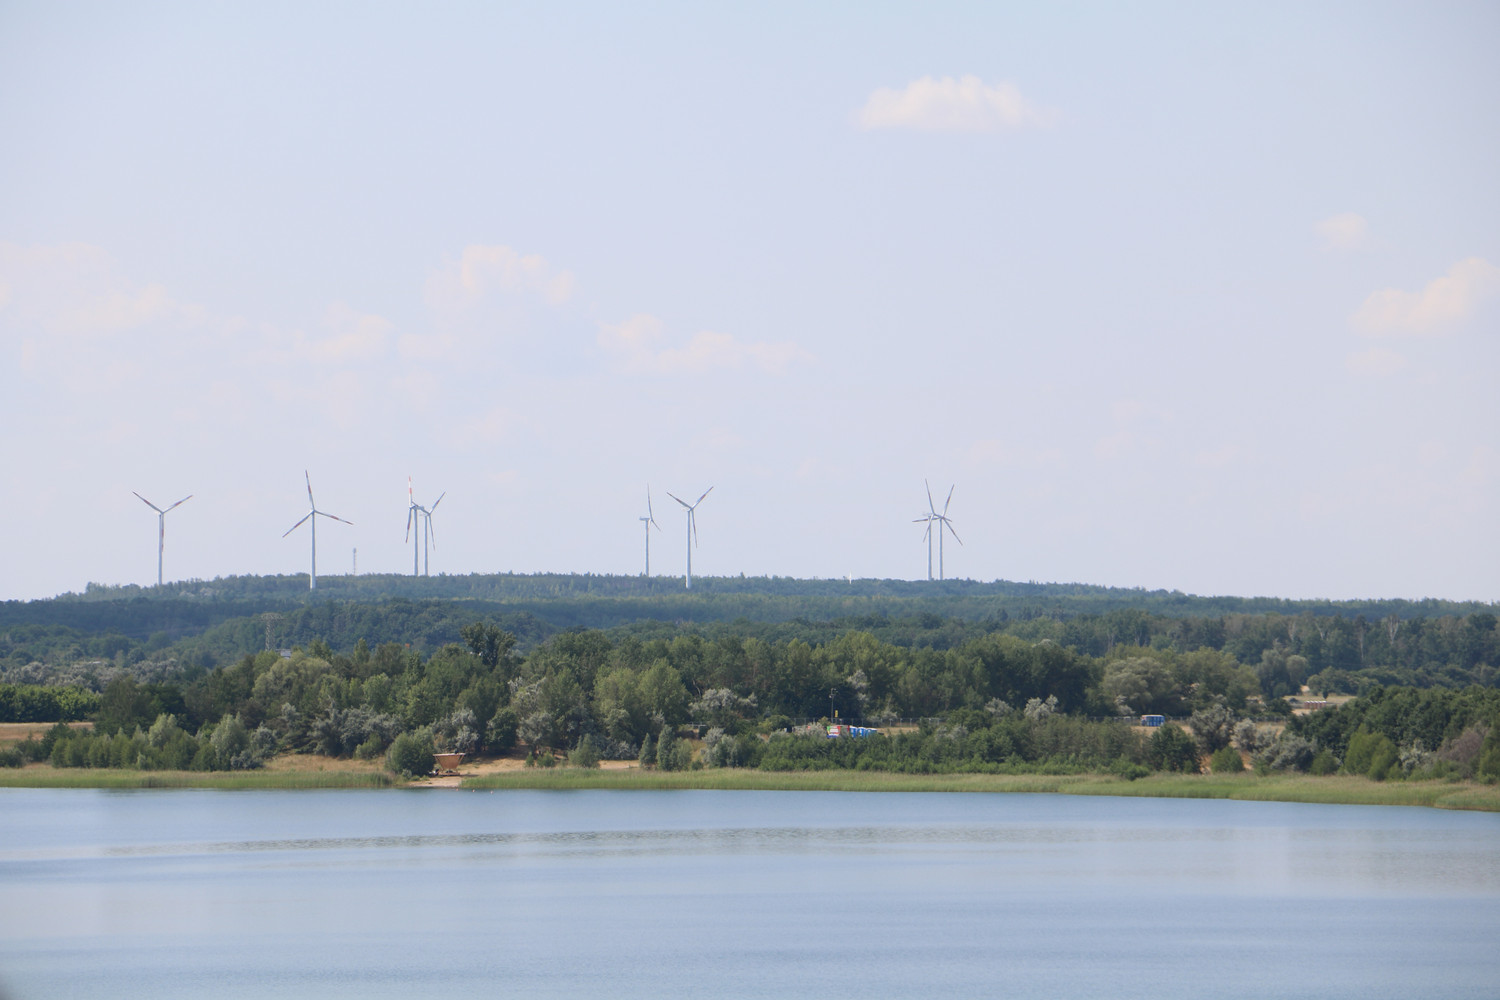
x=1332, y=790
x=47, y=777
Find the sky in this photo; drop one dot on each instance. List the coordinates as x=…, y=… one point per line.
x=1202, y=297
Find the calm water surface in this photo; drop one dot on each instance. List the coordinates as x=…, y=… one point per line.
x=373, y=894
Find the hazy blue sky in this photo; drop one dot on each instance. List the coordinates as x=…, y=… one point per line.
x=1194, y=296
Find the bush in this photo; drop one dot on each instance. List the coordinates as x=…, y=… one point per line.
x=501, y=737
x=1130, y=771
x=1289, y=753
x=648, y=752
x=1214, y=728
x=410, y=756
x=1172, y=749
x=673, y=754
x=1226, y=760
x=586, y=754
x=11, y=757
x=1323, y=762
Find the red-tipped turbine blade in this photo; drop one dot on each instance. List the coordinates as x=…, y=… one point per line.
x=179, y=503
x=705, y=493
x=674, y=496
x=297, y=525
x=148, y=503
x=438, y=501
x=310, y=501
x=950, y=498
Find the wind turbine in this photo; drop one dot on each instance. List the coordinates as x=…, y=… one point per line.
x=942, y=521
x=161, y=527
x=647, y=522
x=415, y=514
x=313, y=513
x=692, y=529
x=430, y=536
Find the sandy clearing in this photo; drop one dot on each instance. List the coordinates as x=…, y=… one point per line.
x=15, y=732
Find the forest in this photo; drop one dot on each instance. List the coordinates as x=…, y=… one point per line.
x=959, y=675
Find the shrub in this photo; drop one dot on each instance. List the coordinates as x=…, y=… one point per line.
x=1323, y=762
x=11, y=757
x=410, y=756
x=648, y=752
x=1171, y=749
x=1289, y=753
x=1130, y=771
x=1226, y=760
x=1213, y=727
x=586, y=754
x=501, y=737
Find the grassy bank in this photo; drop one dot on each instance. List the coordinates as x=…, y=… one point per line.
x=1336, y=790
x=49, y=777
x=1333, y=790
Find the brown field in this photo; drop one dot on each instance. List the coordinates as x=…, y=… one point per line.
x=15, y=732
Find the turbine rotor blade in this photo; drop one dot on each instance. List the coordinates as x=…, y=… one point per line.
x=310, y=501
x=930, y=505
x=297, y=525
x=334, y=516
x=179, y=503
x=437, y=501
x=705, y=493
x=693, y=523
x=953, y=532
x=409, y=515
x=674, y=496
x=950, y=498
x=431, y=531
x=148, y=503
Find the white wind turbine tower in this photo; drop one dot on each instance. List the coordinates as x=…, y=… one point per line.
x=313, y=513
x=161, y=527
x=932, y=517
x=648, y=522
x=692, y=529
x=413, y=514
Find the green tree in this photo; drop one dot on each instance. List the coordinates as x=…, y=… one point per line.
x=1172, y=749
x=411, y=756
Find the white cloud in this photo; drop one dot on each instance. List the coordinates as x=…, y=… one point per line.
x=353, y=337
x=482, y=270
x=638, y=344
x=75, y=290
x=965, y=104
x=1445, y=302
x=1348, y=231
x=1377, y=361
x=487, y=428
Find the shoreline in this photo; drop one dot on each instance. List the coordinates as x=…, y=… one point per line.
x=1325, y=790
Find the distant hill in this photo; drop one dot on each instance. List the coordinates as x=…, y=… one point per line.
x=207, y=623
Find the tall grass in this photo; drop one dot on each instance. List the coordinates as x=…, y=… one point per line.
x=1335, y=790
x=47, y=777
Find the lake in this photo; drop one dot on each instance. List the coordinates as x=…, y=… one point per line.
x=535, y=894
